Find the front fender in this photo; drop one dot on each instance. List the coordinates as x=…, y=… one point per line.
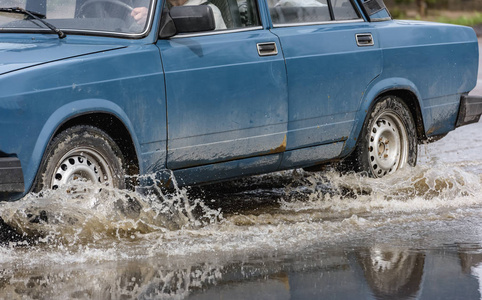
x=62, y=115
x=127, y=83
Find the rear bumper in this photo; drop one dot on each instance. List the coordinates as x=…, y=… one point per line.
x=470, y=110
x=11, y=175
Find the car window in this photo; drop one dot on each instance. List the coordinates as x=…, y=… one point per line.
x=92, y=16
x=310, y=11
x=237, y=14
x=13, y=3
x=10, y=3
x=61, y=9
x=228, y=14
x=344, y=10
x=248, y=12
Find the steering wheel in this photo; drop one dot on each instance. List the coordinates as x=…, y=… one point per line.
x=118, y=3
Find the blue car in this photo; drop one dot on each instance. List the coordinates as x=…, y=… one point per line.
x=98, y=90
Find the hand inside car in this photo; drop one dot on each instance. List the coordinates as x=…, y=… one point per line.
x=140, y=15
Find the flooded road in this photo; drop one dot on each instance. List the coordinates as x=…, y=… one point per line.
x=288, y=235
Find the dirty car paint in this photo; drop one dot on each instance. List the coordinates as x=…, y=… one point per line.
x=210, y=106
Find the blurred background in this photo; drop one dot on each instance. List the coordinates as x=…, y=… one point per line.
x=461, y=12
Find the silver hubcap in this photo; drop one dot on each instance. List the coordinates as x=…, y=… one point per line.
x=82, y=164
x=388, y=145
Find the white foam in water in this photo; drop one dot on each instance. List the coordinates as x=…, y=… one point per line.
x=413, y=189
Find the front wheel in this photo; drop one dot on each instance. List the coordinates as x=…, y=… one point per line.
x=83, y=153
x=388, y=139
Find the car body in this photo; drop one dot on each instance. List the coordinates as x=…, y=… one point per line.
x=283, y=86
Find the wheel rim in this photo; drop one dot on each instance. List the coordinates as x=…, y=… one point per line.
x=84, y=164
x=388, y=145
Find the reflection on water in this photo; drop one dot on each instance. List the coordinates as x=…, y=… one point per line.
x=374, y=273
x=393, y=274
x=288, y=235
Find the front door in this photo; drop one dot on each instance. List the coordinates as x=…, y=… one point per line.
x=226, y=93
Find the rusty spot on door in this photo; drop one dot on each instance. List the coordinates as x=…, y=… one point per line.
x=280, y=148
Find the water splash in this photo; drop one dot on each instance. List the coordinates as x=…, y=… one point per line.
x=70, y=237
x=286, y=212
x=98, y=212
x=425, y=187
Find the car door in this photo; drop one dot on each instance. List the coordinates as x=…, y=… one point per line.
x=226, y=92
x=332, y=55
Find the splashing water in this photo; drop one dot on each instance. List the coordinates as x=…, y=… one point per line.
x=83, y=235
x=60, y=217
x=171, y=222
x=412, y=189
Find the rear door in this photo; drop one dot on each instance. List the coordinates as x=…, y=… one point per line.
x=332, y=55
x=226, y=91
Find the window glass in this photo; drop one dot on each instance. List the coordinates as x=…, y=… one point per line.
x=235, y=14
x=10, y=3
x=120, y=16
x=248, y=11
x=344, y=10
x=299, y=11
x=57, y=9
x=310, y=11
x=228, y=14
x=13, y=3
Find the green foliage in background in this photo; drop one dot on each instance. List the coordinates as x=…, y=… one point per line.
x=411, y=1
x=464, y=20
x=422, y=5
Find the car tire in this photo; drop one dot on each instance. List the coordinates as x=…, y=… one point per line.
x=82, y=152
x=388, y=141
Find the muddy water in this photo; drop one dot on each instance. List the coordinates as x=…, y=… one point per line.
x=288, y=235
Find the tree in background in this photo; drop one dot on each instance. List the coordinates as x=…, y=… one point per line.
x=421, y=4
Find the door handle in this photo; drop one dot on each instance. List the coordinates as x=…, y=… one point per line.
x=266, y=49
x=364, y=39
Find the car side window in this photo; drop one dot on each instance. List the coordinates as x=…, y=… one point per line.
x=228, y=14
x=310, y=11
x=238, y=14
x=344, y=10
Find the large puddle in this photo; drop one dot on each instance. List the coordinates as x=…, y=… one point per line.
x=288, y=235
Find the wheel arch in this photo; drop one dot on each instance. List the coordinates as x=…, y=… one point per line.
x=411, y=100
x=401, y=88
x=114, y=127
x=102, y=114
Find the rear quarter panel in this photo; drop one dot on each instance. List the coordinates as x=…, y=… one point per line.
x=437, y=62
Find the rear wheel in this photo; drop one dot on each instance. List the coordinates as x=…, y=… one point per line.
x=388, y=139
x=83, y=153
